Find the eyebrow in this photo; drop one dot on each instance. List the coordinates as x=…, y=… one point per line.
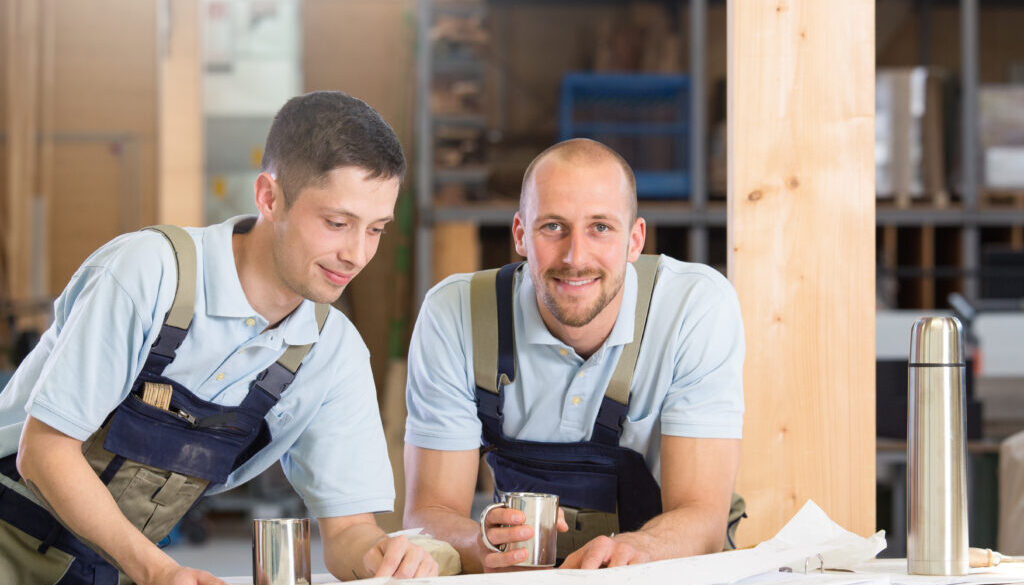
x=600, y=216
x=350, y=215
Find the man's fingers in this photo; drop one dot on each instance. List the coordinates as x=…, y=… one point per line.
x=410, y=562
x=572, y=561
x=605, y=552
x=623, y=554
x=427, y=568
x=372, y=560
x=394, y=550
x=495, y=561
x=504, y=535
x=505, y=516
x=597, y=552
x=204, y=578
x=561, y=524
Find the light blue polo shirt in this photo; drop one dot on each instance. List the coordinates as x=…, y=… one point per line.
x=326, y=428
x=688, y=380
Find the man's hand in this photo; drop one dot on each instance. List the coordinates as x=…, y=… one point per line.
x=505, y=526
x=178, y=575
x=399, y=558
x=604, y=551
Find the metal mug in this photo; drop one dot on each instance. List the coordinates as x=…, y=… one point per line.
x=280, y=551
x=541, y=512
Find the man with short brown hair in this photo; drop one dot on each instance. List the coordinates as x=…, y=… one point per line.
x=187, y=361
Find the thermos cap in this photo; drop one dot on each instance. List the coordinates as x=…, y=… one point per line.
x=936, y=340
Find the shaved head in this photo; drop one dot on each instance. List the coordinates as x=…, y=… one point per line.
x=581, y=152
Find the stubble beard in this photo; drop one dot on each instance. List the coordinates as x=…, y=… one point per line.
x=573, y=314
x=296, y=285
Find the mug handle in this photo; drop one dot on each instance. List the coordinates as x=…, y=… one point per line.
x=483, y=526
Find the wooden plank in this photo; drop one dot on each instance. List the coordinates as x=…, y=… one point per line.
x=79, y=222
x=179, y=197
x=47, y=152
x=106, y=78
x=105, y=115
x=1017, y=237
x=382, y=34
x=24, y=32
x=801, y=255
x=456, y=248
x=393, y=413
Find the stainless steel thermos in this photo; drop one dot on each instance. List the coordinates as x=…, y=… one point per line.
x=936, y=450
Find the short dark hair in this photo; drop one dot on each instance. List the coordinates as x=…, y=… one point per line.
x=584, y=151
x=315, y=133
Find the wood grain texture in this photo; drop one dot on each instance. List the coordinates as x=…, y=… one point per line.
x=456, y=249
x=179, y=198
x=801, y=255
x=24, y=33
x=104, y=118
x=365, y=48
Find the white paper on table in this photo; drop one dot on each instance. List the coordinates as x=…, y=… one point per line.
x=896, y=569
x=780, y=578
x=840, y=548
x=809, y=533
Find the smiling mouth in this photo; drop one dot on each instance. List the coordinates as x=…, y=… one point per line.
x=576, y=282
x=336, y=278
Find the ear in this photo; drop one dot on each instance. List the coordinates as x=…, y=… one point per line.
x=637, y=236
x=519, y=235
x=269, y=198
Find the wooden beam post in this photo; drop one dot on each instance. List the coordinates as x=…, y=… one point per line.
x=30, y=156
x=180, y=115
x=801, y=203
x=24, y=32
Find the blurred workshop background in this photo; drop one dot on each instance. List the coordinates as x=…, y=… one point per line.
x=117, y=114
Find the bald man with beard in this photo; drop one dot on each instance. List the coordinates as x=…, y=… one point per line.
x=617, y=384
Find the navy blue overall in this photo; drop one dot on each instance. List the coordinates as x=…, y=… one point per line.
x=194, y=439
x=597, y=474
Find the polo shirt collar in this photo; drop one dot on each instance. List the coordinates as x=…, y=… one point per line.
x=223, y=290
x=536, y=332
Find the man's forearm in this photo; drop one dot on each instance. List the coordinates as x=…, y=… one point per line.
x=74, y=492
x=461, y=532
x=682, y=532
x=344, y=552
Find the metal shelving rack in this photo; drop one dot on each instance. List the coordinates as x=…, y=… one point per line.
x=696, y=214
x=428, y=176
x=970, y=236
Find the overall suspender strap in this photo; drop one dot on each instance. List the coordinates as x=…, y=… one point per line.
x=493, y=335
x=179, y=317
x=614, y=406
x=483, y=307
x=275, y=379
x=494, y=344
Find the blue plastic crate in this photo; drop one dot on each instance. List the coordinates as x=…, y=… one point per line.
x=644, y=117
